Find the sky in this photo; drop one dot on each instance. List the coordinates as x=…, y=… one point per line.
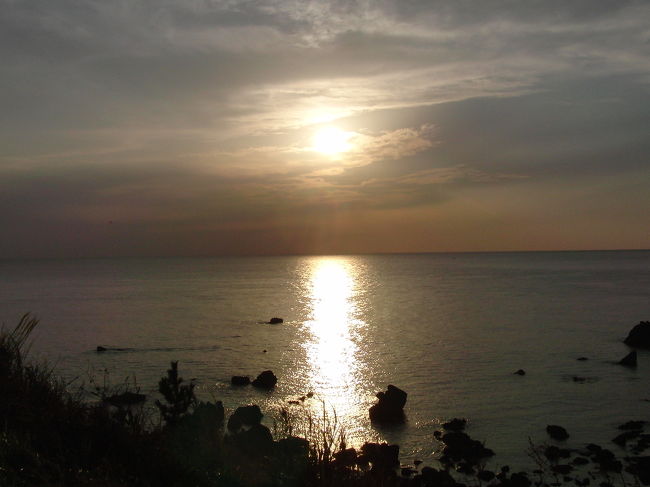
x=224, y=127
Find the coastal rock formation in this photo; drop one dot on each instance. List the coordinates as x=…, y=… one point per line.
x=557, y=432
x=629, y=360
x=244, y=416
x=382, y=456
x=639, y=336
x=390, y=407
x=275, y=321
x=266, y=380
x=247, y=432
x=520, y=372
x=455, y=424
x=460, y=447
x=240, y=380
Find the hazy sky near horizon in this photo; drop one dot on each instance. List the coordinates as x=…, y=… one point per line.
x=206, y=127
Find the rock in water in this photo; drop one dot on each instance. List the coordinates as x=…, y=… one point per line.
x=382, y=455
x=240, y=380
x=101, y=349
x=629, y=360
x=455, y=424
x=557, y=432
x=520, y=372
x=639, y=336
x=266, y=380
x=244, y=415
x=390, y=407
x=275, y=321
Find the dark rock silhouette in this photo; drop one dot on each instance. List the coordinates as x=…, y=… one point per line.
x=247, y=433
x=390, y=407
x=455, y=424
x=345, y=458
x=582, y=359
x=460, y=447
x=240, y=380
x=557, y=432
x=629, y=360
x=258, y=438
x=266, y=380
x=126, y=399
x=432, y=476
x=632, y=425
x=639, y=336
x=244, y=416
x=520, y=372
x=382, y=456
x=293, y=446
x=623, y=438
x=101, y=349
x=275, y=321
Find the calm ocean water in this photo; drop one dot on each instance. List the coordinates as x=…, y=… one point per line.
x=450, y=329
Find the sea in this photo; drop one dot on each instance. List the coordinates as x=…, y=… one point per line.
x=449, y=329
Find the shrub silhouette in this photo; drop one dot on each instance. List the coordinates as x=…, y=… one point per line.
x=178, y=396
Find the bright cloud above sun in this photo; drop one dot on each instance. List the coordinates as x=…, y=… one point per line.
x=194, y=118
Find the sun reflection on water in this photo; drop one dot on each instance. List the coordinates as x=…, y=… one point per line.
x=332, y=351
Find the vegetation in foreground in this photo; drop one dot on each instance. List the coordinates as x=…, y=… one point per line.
x=52, y=437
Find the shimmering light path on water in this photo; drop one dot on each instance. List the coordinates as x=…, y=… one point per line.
x=336, y=370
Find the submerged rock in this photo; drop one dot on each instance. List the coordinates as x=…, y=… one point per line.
x=266, y=380
x=390, y=407
x=240, y=380
x=557, y=432
x=639, y=336
x=629, y=360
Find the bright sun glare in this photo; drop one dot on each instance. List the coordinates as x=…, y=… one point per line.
x=331, y=140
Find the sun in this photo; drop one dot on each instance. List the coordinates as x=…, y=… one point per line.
x=331, y=140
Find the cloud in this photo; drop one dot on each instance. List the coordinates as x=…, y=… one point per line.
x=198, y=114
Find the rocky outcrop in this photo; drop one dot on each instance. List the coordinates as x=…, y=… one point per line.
x=240, y=380
x=247, y=433
x=244, y=416
x=629, y=360
x=382, y=456
x=520, y=372
x=390, y=407
x=557, y=432
x=101, y=349
x=639, y=336
x=275, y=321
x=455, y=424
x=266, y=380
x=460, y=447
